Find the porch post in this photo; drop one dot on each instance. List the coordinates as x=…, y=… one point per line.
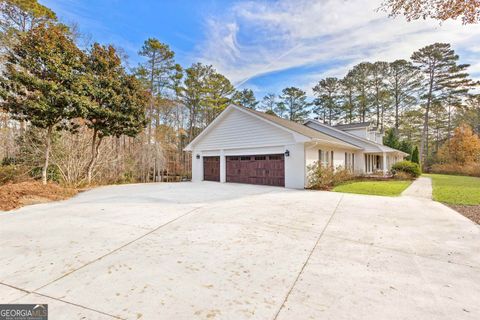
x=385, y=168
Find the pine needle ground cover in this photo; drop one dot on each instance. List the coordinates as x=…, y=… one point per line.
x=15, y=195
x=390, y=188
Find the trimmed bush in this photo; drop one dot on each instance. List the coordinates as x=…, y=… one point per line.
x=408, y=167
x=325, y=177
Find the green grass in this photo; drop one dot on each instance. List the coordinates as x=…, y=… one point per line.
x=390, y=188
x=455, y=189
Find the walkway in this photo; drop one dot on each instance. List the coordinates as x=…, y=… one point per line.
x=420, y=188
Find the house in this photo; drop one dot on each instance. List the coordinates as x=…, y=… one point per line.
x=247, y=146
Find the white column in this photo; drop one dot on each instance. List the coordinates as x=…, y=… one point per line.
x=385, y=168
x=223, y=166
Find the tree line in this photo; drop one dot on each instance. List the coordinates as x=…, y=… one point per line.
x=76, y=113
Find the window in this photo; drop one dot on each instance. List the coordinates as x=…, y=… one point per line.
x=244, y=158
x=260, y=158
x=275, y=157
x=325, y=157
x=349, y=161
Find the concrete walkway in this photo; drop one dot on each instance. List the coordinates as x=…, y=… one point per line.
x=212, y=251
x=420, y=188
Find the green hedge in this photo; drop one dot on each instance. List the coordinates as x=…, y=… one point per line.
x=408, y=167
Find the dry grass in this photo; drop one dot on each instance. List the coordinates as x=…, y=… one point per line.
x=15, y=195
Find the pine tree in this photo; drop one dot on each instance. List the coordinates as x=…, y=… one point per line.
x=269, y=101
x=348, y=98
x=381, y=96
x=443, y=77
x=327, y=102
x=245, y=98
x=360, y=75
x=294, y=102
x=403, y=83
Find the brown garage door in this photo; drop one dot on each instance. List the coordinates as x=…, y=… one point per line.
x=211, y=168
x=259, y=169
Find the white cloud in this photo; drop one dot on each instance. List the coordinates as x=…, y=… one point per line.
x=255, y=38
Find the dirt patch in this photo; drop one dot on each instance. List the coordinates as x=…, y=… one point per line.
x=471, y=212
x=15, y=195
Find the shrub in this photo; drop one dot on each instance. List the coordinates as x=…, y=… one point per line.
x=411, y=168
x=12, y=173
x=468, y=169
x=325, y=177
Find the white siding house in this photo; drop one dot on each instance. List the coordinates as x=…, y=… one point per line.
x=243, y=145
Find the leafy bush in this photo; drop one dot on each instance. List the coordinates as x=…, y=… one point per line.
x=468, y=169
x=53, y=173
x=408, y=167
x=325, y=177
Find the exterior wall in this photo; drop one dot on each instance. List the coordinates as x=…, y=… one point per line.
x=241, y=130
x=295, y=166
x=311, y=156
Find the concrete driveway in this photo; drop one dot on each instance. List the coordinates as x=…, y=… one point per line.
x=231, y=251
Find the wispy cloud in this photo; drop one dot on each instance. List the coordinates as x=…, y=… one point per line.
x=254, y=38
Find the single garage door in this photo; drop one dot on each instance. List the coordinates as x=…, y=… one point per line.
x=211, y=168
x=258, y=169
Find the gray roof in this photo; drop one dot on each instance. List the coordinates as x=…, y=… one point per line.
x=367, y=145
x=291, y=125
x=348, y=126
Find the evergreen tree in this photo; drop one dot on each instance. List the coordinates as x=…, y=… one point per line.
x=327, y=101
x=269, y=102
x=360, y=75
x=245, y=98
x=294, y=103
x=43, y=82
x=403, y=83
x=381, y=96
x=443, y=77
x=117, y=102
x=347, y=97
x=415, y=157
x=391, y=139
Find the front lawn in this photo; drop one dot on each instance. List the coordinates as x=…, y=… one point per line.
x=461, y=190
x=390, y=188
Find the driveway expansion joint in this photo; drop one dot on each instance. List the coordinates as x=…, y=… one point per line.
x=308, y=258
x=119, y=248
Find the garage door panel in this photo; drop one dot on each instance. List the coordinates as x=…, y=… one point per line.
x=259, y=169
x=211, y=168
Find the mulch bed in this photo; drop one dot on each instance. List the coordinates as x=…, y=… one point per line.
x=471, y=212
x=15, y=195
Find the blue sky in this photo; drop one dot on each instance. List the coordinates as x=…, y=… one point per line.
x=266, y=45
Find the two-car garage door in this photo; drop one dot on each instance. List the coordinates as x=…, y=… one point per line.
x=253, y=169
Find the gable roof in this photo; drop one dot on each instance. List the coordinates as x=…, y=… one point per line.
x=367, y=145
x=291, y=126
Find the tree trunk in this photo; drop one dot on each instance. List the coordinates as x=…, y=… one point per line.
x=93, y=160
x=424, y=140
x=48, y=146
